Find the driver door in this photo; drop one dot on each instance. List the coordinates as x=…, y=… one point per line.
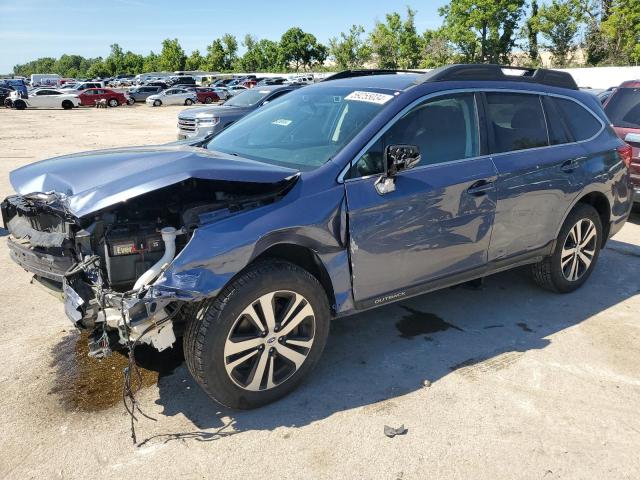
x=437, y=222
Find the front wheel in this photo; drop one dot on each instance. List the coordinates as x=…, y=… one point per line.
x=260, y=337
x=131, y=101
x=157, y=103
x=19, y=105
x=576, y=253
x=188, y=102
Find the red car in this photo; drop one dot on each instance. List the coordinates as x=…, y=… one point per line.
x=90, y=96
x=623, y=109
x=207, y=95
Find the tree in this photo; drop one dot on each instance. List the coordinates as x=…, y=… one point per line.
x=151, y=63
x=395, y=43
x=98, y=70
x=436, y=49
x=194, y=61
x=559, y=23
x=172, y=57
x=483, y=30
x=301, y=49
x=531, y=33
x=132, y=63
x=350, y=50
x=222, y=54
x=114, y=63
x=622, y=31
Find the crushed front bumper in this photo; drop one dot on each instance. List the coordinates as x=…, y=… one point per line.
x=51, y=267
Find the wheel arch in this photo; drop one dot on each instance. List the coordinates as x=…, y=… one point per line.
x=304, y=257
x=602, y=205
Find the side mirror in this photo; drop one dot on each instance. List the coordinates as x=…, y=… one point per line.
x=401, y=157
x=396, y=159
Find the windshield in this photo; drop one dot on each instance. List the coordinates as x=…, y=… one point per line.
x=248, y=98
x=303, y=129
x=623, y=108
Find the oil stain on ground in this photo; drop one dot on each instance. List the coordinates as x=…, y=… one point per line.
x=420, y=323
x=87, y=384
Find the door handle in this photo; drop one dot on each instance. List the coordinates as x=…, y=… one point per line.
x=480, y=188
x=570, y=165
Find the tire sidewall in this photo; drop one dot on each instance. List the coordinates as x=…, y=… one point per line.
x=157, y=103
x=581, y=212
x=226, y=310
x=113, y=102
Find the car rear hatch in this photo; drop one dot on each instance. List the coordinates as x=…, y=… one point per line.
x=623, y=109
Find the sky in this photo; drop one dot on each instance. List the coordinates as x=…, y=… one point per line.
x=38, y=28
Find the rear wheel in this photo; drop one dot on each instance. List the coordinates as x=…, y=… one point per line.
x=208, y=100
x=67, y=104
x=260, y=337
x=20, y=104
x=188, y=102
x=113, y=102
x=577, y=250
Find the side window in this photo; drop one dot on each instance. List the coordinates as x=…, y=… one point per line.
x=581, y=122
x=517, y=121
x=276, y=95
x=558, y=130
x=444, y=128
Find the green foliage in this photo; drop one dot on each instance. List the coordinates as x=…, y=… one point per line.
x=301, y=49
x=621, y=30
x=222, y=54
x=195, y=61
x=350, y=50
x=483, y=30
x=260, y=56
x=172, y=57
x=395, y=43
x=558, y=23
x=436, y=49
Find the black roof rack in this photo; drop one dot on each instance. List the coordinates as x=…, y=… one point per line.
x=365, y=72
x=492, y=72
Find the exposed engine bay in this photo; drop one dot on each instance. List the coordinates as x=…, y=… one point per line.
x=105, y=262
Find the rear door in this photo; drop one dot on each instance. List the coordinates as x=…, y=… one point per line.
x=438, y=221
x=536, y=172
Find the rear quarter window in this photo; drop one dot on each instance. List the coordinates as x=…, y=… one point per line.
x=581, y=122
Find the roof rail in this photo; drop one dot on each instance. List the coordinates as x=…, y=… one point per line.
x=365, y=72
x=493, y=72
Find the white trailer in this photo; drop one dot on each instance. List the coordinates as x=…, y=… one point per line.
x=48, y=79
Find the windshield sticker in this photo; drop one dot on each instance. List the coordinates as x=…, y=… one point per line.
x=371, y=97
x=263, y=91
x=282, y=122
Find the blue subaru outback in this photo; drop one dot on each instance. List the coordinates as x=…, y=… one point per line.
x=345, y=195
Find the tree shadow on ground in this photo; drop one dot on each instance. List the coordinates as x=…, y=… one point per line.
x=390, y=351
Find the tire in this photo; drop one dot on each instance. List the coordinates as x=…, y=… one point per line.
x=208, y=100
x=157, y=103
x=131, y=101
x=19, y=105
x=550, y=274
x=113, y=102
x=67, y=104
x=188, y=102
x=8, y=103
x=208, y=337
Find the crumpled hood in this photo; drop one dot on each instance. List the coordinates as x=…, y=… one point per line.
x=95, y=180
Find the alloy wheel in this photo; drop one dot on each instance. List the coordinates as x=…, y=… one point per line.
x=579, y=250
x=269, y=341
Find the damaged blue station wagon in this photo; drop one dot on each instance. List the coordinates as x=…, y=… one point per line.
x=341, y=196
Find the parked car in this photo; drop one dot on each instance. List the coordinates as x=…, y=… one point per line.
x=236, y=89
x=162, y=85
x=172, y=96
x=206, y=121
x=45, y=98
x=339, y=197
x=181, y=80
x=271, y=81
x=91, y=96
x=141, y=93
x=207, y=95
x=16, y=84
x=85, y=85
x=623, y=110
x=5, y=92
